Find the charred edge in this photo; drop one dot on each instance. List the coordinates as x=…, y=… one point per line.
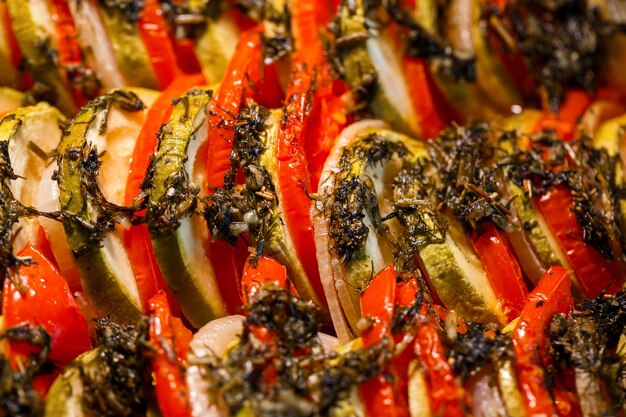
x=122, y=384
x=465, y=158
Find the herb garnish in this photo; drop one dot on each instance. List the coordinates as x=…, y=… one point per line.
x=353, y=197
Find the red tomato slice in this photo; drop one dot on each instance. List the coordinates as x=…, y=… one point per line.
x=153, y=31
x=378, y=304
x=552, y=295
x=265, y=271
x=503, y=269
x=137, y=239
x=595, y=273
x=168, y=335
x=444, y=393
x=565, y=121
x=428, y=101
x=67, y=44
x=48, y=302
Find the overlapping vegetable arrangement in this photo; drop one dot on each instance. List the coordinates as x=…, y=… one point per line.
x=369, y=208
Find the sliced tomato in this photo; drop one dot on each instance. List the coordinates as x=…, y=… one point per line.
x=503, y=269
x=380, y=394
x=45, y=301
x=153, y=31
x=243, y=73
x=68, y=48
x=444, y=392
x=595, y=273
x=428, y=101
x=261, y=271
x=137, y=239
x=552, y=295
x=170, y=340
x=564, y=122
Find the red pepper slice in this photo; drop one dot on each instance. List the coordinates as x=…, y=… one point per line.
x=428, y=101
x=503, y=269
x=595, y=273
x=48, y=302
x=167, y=335
x=137, y=239
x=377, y=304
x=242, y=78
x=444, y=392
x=565, y=121
x=264, y=270
x=153, y=31
x=552, y=295
x=69, y=50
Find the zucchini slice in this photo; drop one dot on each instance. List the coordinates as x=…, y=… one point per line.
x=216, y=45
x=179, y=237
x=372, y=66
x=130, y=53
x=106, y=274
x=33, y=29
x=10, y=99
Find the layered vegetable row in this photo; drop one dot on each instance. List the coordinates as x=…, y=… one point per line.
x=297, y=191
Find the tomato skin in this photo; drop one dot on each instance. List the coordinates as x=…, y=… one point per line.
x=48, y=302
x=503, y=269
x=168, y=334
x=153, y=31
x=564, y=122
x=552, y=295
x=264, y=270
x=595, y=273
x=25, y=81
x=427, y=100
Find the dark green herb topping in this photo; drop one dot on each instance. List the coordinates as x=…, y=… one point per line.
x=589, y=174
x=130, y=9
x=163, y=214
x=422, y=225
x=98, y=216
x=122, y=384
x=469, y=187
x=11, y=211
x=17, y=396
x=587, y=341
x=354, y=196
x=278, y=41
x=249, y=207
x=188, y=18
x=560, y=39
x=291, y=375
x=478, y=346
x=422, y=44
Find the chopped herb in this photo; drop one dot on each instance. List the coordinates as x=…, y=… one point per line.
x=291, y=375
x=18, y=398
x=354, y=197
x=122, y=384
